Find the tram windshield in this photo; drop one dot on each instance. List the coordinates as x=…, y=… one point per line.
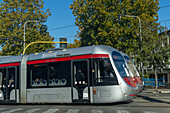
x=126, y=58
x=120, y=64
x=133, y=68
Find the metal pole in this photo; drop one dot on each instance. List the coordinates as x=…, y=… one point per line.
x=140, y=28
x=24, y=29
x=139, y=23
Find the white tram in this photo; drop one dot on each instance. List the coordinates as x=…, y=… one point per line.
x=92, y=74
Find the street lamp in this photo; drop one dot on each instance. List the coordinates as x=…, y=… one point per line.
x=24, y=29
x=133, y=16
x=139, y=23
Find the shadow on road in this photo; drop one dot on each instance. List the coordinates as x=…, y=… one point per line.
x=153, y=99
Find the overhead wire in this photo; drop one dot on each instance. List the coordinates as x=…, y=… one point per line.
x=61, y=27
x=165, y=20
x=165, y=6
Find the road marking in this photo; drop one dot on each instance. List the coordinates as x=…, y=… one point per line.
x=31, y=110
x=96, y=111
x=13, y=110
x=149, y=112
x=73, y=111
x=2, y=108
x=122, y=111
x=51, y=111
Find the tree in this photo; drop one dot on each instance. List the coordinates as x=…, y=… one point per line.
x=101, y=23
x=74, y=45
x=13, y=15
x=155, y=49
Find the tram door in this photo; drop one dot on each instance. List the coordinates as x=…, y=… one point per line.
x=80, y=80
x=7, y=83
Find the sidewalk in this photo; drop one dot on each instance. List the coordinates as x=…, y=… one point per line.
x=159, y=90
x=156, y=91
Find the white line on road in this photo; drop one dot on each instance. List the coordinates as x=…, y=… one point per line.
x=149, y=112
x=13, y=110
x=73, y=111
x=2, y=109
x=51, y=111
x=31, y=110
x=122, y=111
x=96, y=111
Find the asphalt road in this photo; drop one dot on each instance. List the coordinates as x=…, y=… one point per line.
x=80, y=109
x=146, y=102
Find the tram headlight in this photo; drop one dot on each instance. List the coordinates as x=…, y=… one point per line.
x=125, y=94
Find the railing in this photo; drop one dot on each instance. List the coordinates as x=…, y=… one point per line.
x=151, y=82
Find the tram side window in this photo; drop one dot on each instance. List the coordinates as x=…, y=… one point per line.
x=3, y=75
x=60, y=74
x=1, y=78
x=104, y=73
x=7, y=81
x=11, y=73
x=80, y=70
x=38, y=75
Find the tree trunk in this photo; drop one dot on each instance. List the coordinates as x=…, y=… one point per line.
x=156, y=80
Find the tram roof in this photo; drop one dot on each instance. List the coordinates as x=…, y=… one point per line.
x=95, y=49
x=10, y=59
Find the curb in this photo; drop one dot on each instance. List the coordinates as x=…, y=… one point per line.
x=164, y=91
x=156, y=91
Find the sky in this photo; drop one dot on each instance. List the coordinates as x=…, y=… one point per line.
x=164, y=13
x=62, y=16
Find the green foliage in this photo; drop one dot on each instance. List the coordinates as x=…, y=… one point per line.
x=154, y=47
x=154, y=50
x=74, y=45
x=13, y=15
x=101, y=23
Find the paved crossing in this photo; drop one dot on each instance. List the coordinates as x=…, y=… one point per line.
x=62, y=110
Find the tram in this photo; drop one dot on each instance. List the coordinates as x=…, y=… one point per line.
x=91, y=74
x=134, y=72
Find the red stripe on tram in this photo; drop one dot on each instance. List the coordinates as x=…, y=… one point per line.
x=68, y=58
x=133, y=95
x=48, y=60
x=100, y=55
x=10, y=64
x=80, y=57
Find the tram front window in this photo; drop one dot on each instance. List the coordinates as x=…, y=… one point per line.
x=120, y=64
